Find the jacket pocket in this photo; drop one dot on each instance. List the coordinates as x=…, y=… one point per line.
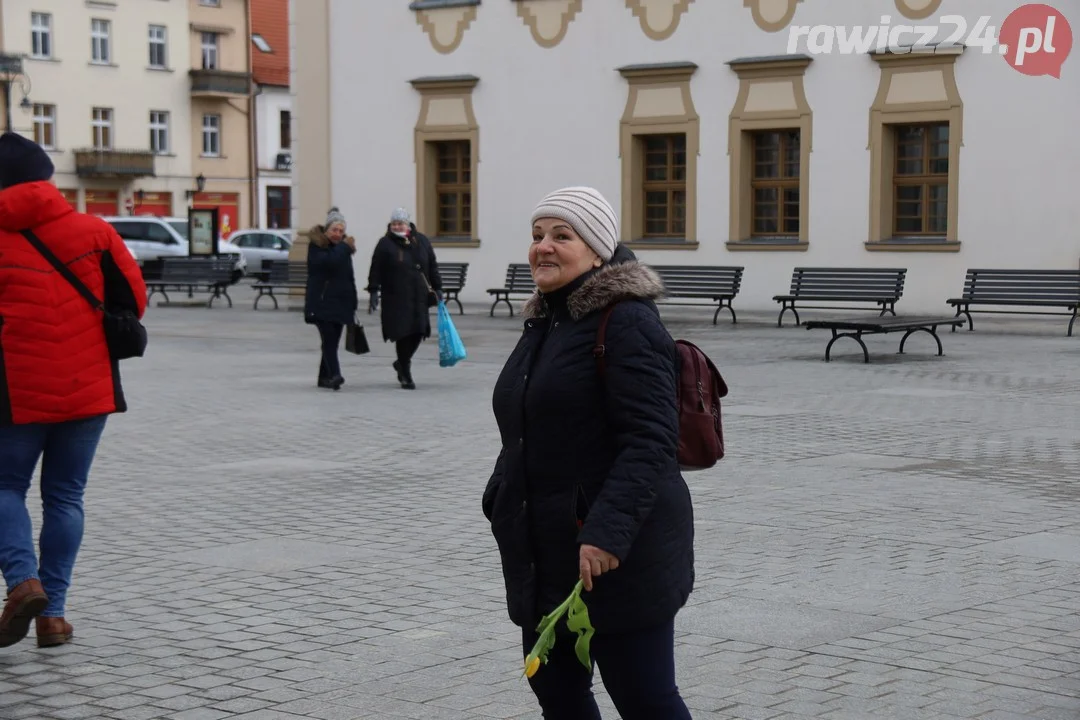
x=579, y=508
x=5, y=392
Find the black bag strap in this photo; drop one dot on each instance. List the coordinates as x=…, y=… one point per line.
x=62, y=269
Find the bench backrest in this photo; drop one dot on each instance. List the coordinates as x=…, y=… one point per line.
x=197, y=269
x=1043, y=285
x=719, y=280
x=453, y=275
x=854, y=284
x=519, y=278
x=285, y=272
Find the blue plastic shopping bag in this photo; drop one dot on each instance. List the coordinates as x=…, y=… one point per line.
x=451, y=349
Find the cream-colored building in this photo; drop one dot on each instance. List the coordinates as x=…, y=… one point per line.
x=107, y=95
x=117, y=93
x=725, y=133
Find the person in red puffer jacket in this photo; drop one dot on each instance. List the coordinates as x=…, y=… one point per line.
x=58, y=382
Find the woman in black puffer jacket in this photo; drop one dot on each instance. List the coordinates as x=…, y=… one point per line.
x=587, y=484
x=330, y=299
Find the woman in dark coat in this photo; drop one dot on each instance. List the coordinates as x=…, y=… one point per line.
x=330, y=301
x=404, y=271
x=587, y=484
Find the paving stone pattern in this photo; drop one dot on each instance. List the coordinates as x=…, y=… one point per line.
x=893, y=540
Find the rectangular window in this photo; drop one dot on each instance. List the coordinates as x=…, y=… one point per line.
x=286, y=129
x=159, y=132
x=278, y=206
x=921, y=179
x=211, y=135
x=209, y=51
x=774, y=183
x=453, y=187
x=40, y=35
x=663, y=186
x=45, y=126
x=100, y=49
x=210, y=3
x=102, y=128
x=158, y=56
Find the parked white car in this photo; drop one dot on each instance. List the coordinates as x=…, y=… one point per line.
x=150, y=238
x=258, y=245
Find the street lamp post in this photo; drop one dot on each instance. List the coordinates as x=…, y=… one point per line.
x=11, y=72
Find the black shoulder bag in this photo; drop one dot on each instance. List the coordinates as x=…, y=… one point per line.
x=125, y=336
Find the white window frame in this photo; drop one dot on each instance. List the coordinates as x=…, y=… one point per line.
x=101, y=128
x=211, y=135
x=210, y=50
x=44, y=115
x=100, y=41
x=41, y=35
x=159, y=132
x=210, y=3
x=159, y=35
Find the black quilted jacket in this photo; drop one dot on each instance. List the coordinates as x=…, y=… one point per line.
x=586, y=464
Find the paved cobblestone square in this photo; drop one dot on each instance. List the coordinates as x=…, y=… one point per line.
x=892, y=540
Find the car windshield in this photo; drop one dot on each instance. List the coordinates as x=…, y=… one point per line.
x=180, y=226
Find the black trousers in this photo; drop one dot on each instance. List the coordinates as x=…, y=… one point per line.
x=330, y=333
x=406, y=347
x=638, y=671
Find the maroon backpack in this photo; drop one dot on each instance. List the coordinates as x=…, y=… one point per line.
x=698, y=392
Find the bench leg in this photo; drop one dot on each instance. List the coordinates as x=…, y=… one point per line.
x=888, y=308
x=1072, y=321
x=933, y=333
x=461, y=308
x=154, y=291
x=721, y=306
x=856, y=336
x=225, y=292
x=501, y=297
x=787, y=305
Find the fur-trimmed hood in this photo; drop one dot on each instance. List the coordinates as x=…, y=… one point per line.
x=612, y=283
x=317, y=236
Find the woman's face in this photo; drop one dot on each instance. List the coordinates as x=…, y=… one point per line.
x=399, y=226
x=336, y=232
x=558, y=255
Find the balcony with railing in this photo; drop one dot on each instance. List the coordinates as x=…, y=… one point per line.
x=220, y=83
x=92, y=163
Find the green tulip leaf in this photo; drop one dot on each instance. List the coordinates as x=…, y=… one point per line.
x=578, y=621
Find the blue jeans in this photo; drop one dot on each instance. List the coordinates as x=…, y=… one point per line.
x=638, y=670
x=67, y=450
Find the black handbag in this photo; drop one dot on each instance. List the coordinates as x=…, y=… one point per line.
x=355, y=339
x=125, y=336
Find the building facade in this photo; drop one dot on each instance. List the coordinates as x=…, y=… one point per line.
x=221, y=109
x=273, y=112
x=724, y=133
x=104, y=89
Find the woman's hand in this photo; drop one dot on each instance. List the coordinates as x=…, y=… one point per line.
x=593, y=562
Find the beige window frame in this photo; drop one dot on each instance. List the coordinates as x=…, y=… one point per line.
x=446, y=114
x=914, y=89
x=658, y=102
x=771, y=99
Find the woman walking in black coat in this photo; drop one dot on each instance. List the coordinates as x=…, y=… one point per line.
x=330, y=301
x=587, y=484
x=404, y=271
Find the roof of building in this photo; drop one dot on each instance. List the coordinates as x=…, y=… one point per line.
x=270, y=42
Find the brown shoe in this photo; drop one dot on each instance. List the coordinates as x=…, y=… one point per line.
x=26, y=601
x=53, y=631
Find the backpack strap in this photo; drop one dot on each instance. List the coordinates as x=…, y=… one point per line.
x=600, y=350
x=61, y=268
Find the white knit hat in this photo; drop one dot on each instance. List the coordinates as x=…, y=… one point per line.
x=589, y=214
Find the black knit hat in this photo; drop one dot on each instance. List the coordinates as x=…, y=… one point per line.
x=22, y=161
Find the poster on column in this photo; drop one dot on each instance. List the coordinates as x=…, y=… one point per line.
x=228, y=207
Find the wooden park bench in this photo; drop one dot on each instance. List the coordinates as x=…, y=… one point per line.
x=213, y=275
x=879, y=286
x=875, y=325
x=279, y=275
x=1020, y=288
x=719, y=284
x=519, y=281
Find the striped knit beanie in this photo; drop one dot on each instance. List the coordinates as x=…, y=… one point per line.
x=589, y=214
